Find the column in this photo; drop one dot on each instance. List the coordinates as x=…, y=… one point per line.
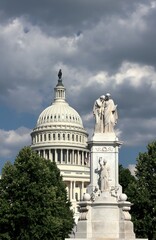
x=82, y=187
x=74, y=190
x=82, y=157
x=79, y=158
x=75, y=156
x=67, y=157
x=50, y=155
x=47, y=153
x=61, y=156
x=73, y=160
x=70, y=156
x=70, y=189
x=44, y=154
x=56, y=155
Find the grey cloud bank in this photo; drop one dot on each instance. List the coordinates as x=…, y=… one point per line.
x=102, y=46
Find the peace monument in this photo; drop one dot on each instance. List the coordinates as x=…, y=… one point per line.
x=104, y=211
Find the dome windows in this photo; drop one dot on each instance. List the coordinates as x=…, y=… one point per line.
x=49, y=136
x=59, y=114
x=65, y=137
x=53, y=136
x=68, y=137
x=59, y=118
x=72, y=137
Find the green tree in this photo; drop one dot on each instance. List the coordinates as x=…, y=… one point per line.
x=144, y=194
x=33, y=200
x=125, y=179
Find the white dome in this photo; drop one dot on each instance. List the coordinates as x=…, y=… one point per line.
x=59, y=124
x=59, y=113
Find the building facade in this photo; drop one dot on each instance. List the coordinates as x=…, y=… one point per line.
x=59, y=136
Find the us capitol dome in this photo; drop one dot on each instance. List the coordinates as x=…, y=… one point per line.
x=59, y=136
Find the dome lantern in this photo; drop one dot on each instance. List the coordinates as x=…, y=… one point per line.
x=60, y=89
x=60, y=113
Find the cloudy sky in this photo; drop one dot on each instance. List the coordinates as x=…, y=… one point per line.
x=101, y=46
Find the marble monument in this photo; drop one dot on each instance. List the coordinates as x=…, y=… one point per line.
x=104, y=211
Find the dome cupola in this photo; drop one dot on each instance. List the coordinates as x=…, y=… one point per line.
x=59, y=112
x=59, y=118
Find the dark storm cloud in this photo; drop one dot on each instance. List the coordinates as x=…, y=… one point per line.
x=114, y=31
x=134, y=96
x=119, y=39
x=101, y=46
x=132, y=103
x=68, y=15
x=133, y=89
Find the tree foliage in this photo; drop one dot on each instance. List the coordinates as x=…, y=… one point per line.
x=125, y=179
x=142, y=193
x=33, y=200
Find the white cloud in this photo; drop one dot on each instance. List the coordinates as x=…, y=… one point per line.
x=137, y=21
x=113, y=52
x=142, y=131
x=33, y=57
x=135, y=74
x=87, y=117
x=101, y=78
x=25, y=99
x=13, y=140
x=132, y=74
x=28, y=61
x=132, y=168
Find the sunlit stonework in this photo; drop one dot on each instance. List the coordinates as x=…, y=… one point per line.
x=59, y=136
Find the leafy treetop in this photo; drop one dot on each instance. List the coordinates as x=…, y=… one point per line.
x=33, y=200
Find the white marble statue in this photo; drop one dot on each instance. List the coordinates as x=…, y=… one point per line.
x=105, y=112
x=97, y=111
x=104, y=176
x=109, y=114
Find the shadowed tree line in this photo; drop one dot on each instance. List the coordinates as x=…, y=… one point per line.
x=33, y=200
x=141, y=191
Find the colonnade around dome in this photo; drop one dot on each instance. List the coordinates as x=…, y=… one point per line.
x=55, y=136
x=65, y=156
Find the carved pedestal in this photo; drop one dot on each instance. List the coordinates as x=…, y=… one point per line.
x=104, y=213
x=104, y=148
x=104, y=219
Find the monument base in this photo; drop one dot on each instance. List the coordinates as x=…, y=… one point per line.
x=106, y=218
x=104, y=137
x=104, y=213
x=106, y=238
